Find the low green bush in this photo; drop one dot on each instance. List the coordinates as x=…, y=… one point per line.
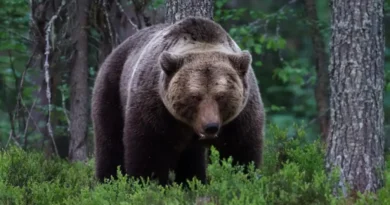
x=292, y=173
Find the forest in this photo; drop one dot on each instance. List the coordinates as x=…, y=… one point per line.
x=322, y=67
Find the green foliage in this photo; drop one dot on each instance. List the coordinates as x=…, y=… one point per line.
x=267, y=33
x=292, y=173
x=278, y=35
x=26, y=177
x=155, y=4
x=14, y=19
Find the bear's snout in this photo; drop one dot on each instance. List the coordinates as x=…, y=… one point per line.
x=210, y=130
x=208, y=120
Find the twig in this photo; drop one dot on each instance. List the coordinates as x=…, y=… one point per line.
x=11, y=64
x=278, y=26
x=64, y=108
x=12, y=132
x=28, y=118
x=33, y=20
x=11, y=117
x=278, y=35
x=19, y=96
x=124, y=13
x=11, y=136
x=15, y=34
x=47, y=75
x=284, y=6
x=317, y=117
x=255, y=24
x=105, y=6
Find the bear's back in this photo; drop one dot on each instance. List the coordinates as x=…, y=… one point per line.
x=134, y=48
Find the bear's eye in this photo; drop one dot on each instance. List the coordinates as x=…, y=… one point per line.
x=196, y=98
x=220, y=97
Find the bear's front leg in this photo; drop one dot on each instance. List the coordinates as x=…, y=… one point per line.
x=242, y=139
x=192, y=163
x=148, y=153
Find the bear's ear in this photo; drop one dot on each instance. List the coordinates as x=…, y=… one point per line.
x=241, y=61
x=170, y=62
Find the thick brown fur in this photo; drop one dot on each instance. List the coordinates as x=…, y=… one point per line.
x=155, y=93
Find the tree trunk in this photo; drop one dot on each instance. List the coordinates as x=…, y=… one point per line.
x=42, y=12
x=322, y=85
x=356, y=135
x=79, y=87
x=179, y=9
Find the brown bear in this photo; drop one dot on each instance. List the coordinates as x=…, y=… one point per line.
x=169, y=91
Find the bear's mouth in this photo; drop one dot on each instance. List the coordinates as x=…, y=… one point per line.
x=203, y=136
x=207, y=130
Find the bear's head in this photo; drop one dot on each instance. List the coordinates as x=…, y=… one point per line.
x=205, y=90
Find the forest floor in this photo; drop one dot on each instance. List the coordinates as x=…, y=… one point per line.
x=292, y=173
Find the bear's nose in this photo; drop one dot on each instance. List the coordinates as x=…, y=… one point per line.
x=211, y=128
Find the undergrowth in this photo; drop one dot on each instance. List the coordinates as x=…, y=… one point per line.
x=292, y=173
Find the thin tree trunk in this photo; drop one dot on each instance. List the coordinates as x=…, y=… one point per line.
x=356, y=135
x=322, y=86
x=79, y=88
x=180, y=9
x=41, y=11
